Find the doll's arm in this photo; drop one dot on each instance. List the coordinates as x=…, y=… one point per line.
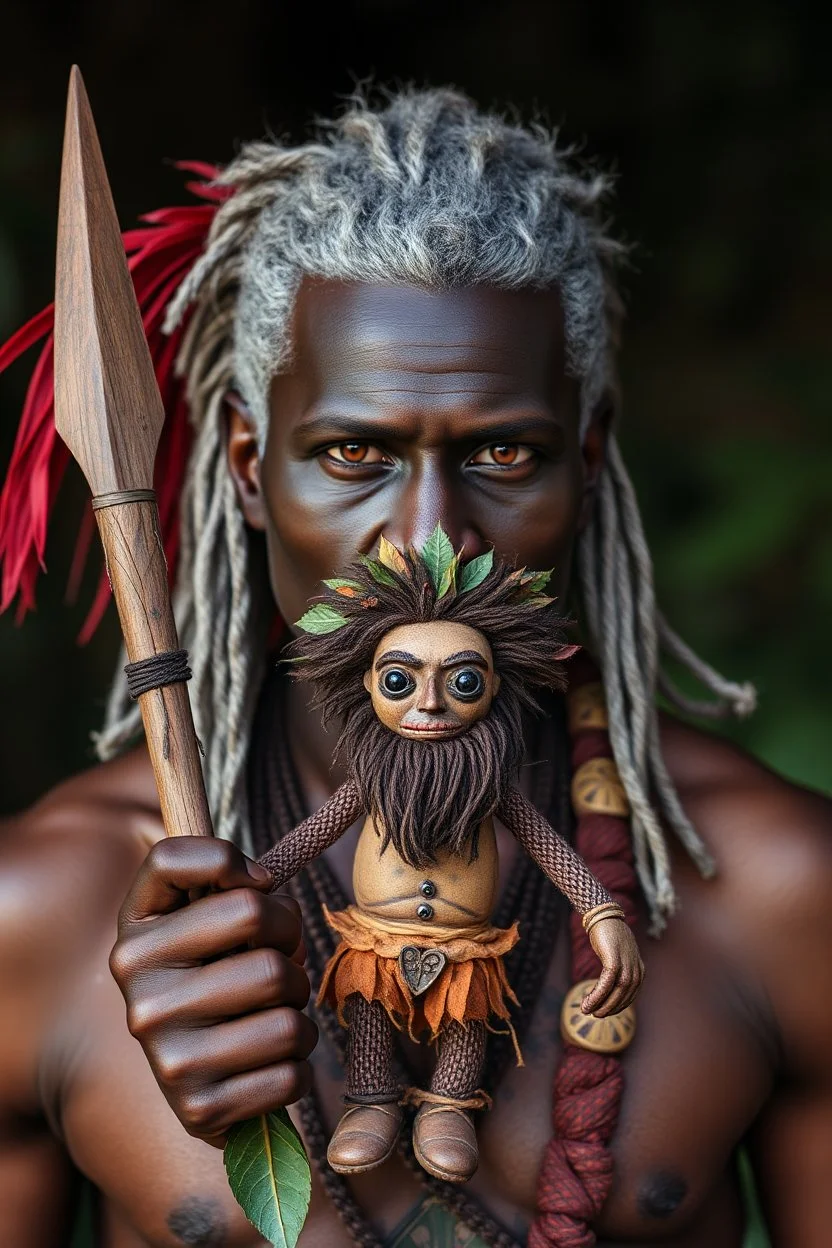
x=310, y=838
x=552, y=853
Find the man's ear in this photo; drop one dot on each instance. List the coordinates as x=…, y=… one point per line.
x=594, y=451
x=244, y=460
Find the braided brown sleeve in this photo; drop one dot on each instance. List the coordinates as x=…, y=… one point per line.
x=310, y=838
x=555, y=856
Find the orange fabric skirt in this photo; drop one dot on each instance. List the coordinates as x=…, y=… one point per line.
x=472, y=984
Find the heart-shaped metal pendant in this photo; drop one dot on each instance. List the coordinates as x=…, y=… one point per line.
x=421, y=967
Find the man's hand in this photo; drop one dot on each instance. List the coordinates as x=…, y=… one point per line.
x=214, y=987
x=623, y=970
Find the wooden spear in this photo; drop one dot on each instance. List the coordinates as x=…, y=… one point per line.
x=109, y=412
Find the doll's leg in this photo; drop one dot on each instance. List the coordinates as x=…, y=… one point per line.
x=369, y=1127
x=444, y=1138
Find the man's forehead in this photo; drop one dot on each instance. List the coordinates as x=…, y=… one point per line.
x=360, y=328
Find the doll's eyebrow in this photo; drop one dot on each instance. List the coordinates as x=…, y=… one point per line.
x=398, y=656
x=465, y=656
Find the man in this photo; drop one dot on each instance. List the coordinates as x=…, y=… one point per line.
x=407, y=322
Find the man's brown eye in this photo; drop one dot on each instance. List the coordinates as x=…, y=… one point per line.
x=502, y=455
x=353, y=452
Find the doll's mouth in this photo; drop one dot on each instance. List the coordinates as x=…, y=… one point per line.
x=442, y=729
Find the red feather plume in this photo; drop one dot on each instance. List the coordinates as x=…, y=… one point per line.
x=160, y=254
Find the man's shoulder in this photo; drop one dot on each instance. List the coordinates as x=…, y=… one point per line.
x=771, y=839
x=738, y=803
x=76, y=846
x=65, y=867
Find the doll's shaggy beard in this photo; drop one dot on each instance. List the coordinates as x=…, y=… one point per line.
x=431, y=796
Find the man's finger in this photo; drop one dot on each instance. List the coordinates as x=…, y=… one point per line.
x=210, y=927
x=181, y=863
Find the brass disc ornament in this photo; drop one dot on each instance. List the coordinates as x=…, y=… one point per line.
x=597, y=789
x=587, y=708
x=599, y=1035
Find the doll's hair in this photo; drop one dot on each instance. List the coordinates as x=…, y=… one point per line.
x=524, y=628
x=425, y=190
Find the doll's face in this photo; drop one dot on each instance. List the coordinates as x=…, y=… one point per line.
x=432, y=681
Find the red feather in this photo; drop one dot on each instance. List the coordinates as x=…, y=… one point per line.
x=160, y=254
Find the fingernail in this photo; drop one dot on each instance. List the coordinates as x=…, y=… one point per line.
x=259, y=872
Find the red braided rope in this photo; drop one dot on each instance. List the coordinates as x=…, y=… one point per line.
x=577, y=1168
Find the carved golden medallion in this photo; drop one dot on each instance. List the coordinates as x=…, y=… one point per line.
x=597, y=789
x=587, y=707
x=599, y=1035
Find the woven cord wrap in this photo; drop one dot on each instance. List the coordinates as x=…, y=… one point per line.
x=577, y=1167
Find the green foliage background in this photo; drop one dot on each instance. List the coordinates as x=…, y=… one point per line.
x=716, y=119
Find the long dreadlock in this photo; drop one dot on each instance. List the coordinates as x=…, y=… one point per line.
x=428, y=191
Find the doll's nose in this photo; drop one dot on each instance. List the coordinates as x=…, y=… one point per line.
x=431, y=696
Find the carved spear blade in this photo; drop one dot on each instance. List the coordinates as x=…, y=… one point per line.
x=109, y=412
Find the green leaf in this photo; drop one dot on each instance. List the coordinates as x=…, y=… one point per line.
x=475, y=571
x=377, y=571
x=344, y=582
x=391, y=556
x=448, y=578
x=538, y=581
x=437, y=555
x=321, y=619
x=268, y=1172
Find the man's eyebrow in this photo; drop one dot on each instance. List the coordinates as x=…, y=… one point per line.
x=398, y=656
x=503, y=428
x=465, y=656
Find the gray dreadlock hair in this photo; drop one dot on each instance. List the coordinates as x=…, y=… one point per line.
x=429, y=191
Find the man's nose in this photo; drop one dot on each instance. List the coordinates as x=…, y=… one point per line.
x=434, y=495
x=431, y=696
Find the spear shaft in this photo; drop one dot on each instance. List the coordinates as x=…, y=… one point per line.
x=109, y=412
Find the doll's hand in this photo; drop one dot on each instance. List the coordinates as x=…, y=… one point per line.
x=623, y=970
x=214, y=986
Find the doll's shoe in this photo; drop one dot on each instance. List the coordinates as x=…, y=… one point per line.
x=445, y=1142
x=364, y=1138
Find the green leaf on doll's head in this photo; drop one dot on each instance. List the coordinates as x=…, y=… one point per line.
x=377, y=571
x=538, y=581
x=391, y=557
x=437, y=555
x=268, y=1172
x=537, y=601
x=475, y=571
x=448, y=581
x=343, y=585
x=321, y=619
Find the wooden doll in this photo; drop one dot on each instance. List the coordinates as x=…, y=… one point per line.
x=429, y=663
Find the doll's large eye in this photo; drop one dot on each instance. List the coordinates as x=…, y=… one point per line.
x=395, y=683
x=467, y=684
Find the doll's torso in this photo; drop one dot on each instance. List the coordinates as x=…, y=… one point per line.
x=455, y=891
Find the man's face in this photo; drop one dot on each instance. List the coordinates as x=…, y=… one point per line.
x=402, y=408
x=431, y=681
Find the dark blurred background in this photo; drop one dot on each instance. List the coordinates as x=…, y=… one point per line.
x=716, y=119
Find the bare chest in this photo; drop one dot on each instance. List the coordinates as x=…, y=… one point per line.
x=694, y=1081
